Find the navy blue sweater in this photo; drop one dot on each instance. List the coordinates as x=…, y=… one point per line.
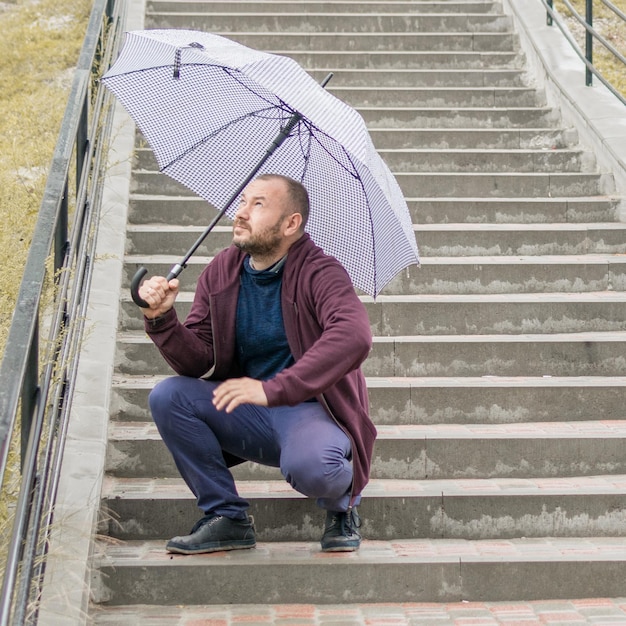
x=262, y=348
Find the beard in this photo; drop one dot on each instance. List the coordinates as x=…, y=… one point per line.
x=263, y=244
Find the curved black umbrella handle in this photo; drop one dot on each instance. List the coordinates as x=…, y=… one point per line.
x=135, y=283
x=134, y=288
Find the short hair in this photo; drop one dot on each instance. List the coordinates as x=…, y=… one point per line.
x=296, y=193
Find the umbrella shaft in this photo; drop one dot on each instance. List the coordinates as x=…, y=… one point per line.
x=282, y=135
x=280, y=138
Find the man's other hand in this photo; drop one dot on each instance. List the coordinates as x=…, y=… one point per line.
x=231, y=393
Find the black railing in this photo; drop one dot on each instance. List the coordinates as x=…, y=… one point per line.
x=36, y=375
x=590, y=35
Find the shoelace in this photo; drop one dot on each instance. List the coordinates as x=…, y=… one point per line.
x=207, y=519
x=355, y=520
x=350, y=521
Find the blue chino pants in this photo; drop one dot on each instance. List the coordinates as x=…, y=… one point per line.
x=312, y=452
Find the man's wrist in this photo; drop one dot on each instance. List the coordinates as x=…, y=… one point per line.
x=154, y=322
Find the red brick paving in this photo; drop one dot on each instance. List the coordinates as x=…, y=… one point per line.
x=593, y=611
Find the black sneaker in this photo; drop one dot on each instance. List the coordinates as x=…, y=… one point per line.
x=341, y=532
x=214, y=533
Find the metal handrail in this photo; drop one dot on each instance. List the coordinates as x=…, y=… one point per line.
x=37, y=378
x=552, y=17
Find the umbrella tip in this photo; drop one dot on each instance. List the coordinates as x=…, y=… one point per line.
x=327, y=79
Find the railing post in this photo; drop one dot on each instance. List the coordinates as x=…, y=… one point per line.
x=589, y=42
x=30, y=392
x=82, y=140
x=60, y=233
x=548, y=16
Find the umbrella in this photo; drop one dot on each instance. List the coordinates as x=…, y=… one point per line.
x=216, y=113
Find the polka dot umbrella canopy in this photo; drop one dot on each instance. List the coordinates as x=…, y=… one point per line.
x=217, y=113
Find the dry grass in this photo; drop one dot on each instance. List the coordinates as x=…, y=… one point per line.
x=40, y=42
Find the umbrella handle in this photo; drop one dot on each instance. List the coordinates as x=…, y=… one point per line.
x=138, y=277
x=134, y=288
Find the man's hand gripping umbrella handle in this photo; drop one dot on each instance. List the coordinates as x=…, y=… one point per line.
x=135, y=283
x=179, y=267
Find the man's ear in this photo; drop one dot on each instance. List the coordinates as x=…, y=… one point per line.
x=293, y=225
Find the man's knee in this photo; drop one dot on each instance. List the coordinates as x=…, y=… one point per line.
x=160, y=394
x=165, y=398
x=317, y=474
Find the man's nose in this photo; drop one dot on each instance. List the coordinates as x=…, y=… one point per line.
x=242, y=212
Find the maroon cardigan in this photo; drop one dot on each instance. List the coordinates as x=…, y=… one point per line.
x=327, y=328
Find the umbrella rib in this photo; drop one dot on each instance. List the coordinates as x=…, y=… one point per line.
x=306, y=153
x=155, y=68
x=235, y=75
x=216, y=132
x=312, y=135
x=371, y=224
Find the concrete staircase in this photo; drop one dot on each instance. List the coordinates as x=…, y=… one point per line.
x=498, y=372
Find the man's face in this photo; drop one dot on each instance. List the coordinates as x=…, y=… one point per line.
x=257, y=228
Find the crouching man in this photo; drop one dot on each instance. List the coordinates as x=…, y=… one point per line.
x=269, y=371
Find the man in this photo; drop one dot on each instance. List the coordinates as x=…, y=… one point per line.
x=269, y=371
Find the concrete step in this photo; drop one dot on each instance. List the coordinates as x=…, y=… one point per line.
x=396, y=42
x=151, y=209
x=434, y=239
x=500, y=184
x=474, y=139
x=469, y=314
x=445, y=184
x=313, y=7
x=569, y=354
x=469, y=160
x=423, y=451
x=285, y=42
x=392, y=73
x=557, y=354
x=521, y=239
x=462, y=275
x=301, y=22
x=150, y=509
x=577, y=611
x=496, y=139
x=494, y=67
x=416, y=570
x=516, y=274
x=496, y=314
x=446, y=400
x=481, y=314
x=458, y=117
x=418, y=160
x=445, y=160
x=488, y=160
x=574, y=210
